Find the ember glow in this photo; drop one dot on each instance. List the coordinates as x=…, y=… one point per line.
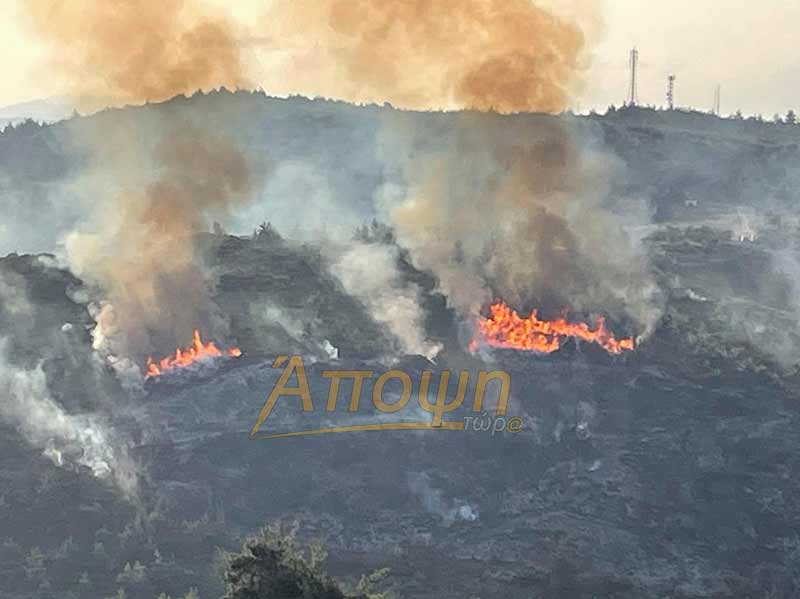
x=188, y=356
x=506, y=329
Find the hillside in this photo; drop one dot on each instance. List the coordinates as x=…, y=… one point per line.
x=688, y=166
x=666, y=471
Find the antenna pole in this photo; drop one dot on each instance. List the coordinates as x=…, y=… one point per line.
x=671, y=92
x=633, y=98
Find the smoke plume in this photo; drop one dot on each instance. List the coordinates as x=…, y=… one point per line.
x=139, y=247
x=522, y=210
x=138, y=50
x=369, y=272
x=509, y=55
x=138, y=243
x=109, y=346
x=515, y=207
x=69, y=440
x=506, y=207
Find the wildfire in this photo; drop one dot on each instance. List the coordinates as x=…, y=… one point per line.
x=188, y=356
x=507, y=329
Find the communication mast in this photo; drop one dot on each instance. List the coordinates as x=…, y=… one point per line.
x=717, y=94
x=671, y=92
x=633, y=97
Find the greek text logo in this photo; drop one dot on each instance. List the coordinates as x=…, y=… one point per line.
x=432, y=391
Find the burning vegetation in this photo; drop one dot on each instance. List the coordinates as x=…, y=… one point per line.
x=183, y=358
x=505, y=328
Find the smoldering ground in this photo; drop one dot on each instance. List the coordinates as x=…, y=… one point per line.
x=68, y=439
x=50, y=392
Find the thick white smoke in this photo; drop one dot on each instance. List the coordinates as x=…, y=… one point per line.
x=369, y=272
x=69, y=440
x=109, y=344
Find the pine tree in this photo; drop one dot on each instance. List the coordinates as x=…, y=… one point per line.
x=271, y=567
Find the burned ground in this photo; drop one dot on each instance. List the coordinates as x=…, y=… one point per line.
x=669, y=468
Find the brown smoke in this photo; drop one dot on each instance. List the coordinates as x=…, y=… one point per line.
x=520, y=209
x=509, y=55
x=171, y=176
x=514, y=207
x=136, y=50
x=141, y=250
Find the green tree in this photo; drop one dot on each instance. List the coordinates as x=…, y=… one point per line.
x=791, y=117
x=375, y=232
x=266, y=233
x=135, y=573
x=270, y=566
x=371, y=584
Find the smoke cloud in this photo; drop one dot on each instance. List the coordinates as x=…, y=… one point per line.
x=525, y=210
x=19, y=314
x=138, y=246
x=517, y=208
x=501, y=207
x=509, y=55
x=138, y=50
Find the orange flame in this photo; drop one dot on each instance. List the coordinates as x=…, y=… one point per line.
x=507, y=329
x=188, y=356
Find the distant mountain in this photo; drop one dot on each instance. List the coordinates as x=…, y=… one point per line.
x=46, y=110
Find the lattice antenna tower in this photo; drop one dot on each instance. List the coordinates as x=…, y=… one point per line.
x=633, y=96
x=671, y=92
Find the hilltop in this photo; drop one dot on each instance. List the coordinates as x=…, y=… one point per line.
x=686, y=166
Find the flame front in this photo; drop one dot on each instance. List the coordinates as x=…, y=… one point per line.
x=506, y=329
x=188, y=356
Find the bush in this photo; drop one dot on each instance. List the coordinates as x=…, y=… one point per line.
x=270, y=566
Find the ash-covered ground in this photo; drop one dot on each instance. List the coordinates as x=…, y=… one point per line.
x=665, y=472
x=668, y=471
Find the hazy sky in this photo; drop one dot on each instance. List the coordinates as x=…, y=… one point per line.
x=750, y=48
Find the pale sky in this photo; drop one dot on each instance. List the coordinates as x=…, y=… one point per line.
x=750, y=48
